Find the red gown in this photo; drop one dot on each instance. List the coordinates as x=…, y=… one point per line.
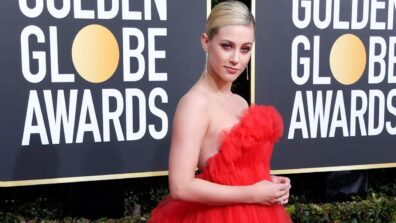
x=243, y=159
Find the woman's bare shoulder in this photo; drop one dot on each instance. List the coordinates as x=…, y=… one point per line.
x=195, y=99
x=242, y=103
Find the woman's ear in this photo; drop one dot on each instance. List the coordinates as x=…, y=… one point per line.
x=205, y=42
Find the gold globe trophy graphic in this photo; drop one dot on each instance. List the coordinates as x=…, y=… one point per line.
x=95, y=53
x=348, y=59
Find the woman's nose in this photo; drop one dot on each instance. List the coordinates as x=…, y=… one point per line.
x=234, y=59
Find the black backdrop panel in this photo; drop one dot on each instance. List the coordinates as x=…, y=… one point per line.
x=328, y=67
x=55, y=123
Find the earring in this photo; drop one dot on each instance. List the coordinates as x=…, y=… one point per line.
x=206, y=63
x=247, y=72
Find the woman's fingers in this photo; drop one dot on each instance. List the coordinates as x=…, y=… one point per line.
x=283, y=199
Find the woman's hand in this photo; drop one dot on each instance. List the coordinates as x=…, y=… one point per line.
x=271, y=193
x=282, y=180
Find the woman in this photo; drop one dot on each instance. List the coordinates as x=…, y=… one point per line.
x=230, y=142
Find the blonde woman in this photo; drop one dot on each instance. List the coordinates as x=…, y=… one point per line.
x=230, y=142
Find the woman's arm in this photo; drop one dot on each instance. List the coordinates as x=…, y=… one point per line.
x=191, y=122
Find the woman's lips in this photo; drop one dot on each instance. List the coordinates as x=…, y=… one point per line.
x=231, y=70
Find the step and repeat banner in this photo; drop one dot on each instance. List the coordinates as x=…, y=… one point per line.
x=89, y=88
x=329, y=67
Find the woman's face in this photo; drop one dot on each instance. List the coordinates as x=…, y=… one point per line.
x=229, y=51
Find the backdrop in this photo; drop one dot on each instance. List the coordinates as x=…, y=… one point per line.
x=89, y=88
x=328, y=66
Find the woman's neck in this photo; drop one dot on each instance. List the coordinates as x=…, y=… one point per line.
x=215, y=83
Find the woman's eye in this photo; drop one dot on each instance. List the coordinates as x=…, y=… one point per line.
x=245, y=49
x=226, y=46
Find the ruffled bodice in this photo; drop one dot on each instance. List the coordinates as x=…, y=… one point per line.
x=243, y=159
x=245, y=150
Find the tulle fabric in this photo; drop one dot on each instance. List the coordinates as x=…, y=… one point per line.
x=243, y=159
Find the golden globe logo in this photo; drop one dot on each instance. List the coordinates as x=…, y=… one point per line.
x=96, y=55
x=323, y=113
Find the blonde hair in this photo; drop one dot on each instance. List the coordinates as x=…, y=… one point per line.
x=228, y=13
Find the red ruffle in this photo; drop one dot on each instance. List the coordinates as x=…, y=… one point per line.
x=243, y=159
